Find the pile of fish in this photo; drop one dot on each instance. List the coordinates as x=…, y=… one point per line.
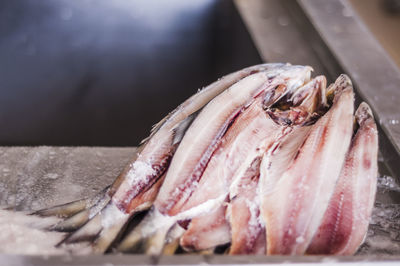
x=266, y=160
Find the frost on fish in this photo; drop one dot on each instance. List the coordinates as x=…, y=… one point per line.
x=346, y=220
x=294, y=208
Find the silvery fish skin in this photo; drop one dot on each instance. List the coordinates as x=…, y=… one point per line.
x=294, y=207
x=346, y=219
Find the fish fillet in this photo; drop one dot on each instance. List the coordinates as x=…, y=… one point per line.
x=294, y=207
x=203, y=138
x=346, y=220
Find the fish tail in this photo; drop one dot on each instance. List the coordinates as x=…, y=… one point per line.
x=150, y=236
x=88, y=232
x=79, y=218
x=72, y=223
x=110, y=232
x=70, y=209
x=101, y=230
x=64, y=210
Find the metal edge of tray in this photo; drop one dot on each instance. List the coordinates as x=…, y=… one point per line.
x=13, y=260
x=331, y=38
x=376, y=77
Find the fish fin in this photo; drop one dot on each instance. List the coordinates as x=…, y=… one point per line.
x=72, y=208
x=109, y=234
x=159, y=124
x=155, y=128
x=180, y=129
x=72, y=223
x=88, y=232
x=101, y=230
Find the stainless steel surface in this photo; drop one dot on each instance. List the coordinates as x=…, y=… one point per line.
x=281, y=34
x=329, y=36
x=375, y=75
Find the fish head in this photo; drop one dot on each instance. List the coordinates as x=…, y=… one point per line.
x=303, y=106
x=284, y=80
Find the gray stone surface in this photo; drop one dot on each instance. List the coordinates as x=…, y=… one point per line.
x=32, y=178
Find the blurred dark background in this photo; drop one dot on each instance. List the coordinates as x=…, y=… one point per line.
x=101, y=72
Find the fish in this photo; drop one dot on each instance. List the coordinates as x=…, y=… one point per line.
x=239, y=150
x=294, y=200
x=100, y=218
x=200, y=142
x=266, y=160
x=242, y=143
x=346, y=219
x=248, y=228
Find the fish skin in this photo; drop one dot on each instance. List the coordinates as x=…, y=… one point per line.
x=346, y=220
x=201, y=140
x=211, y=124
x=215, y=193
x=155, y=157
x=160, y=147
x=279, y=156
x=129, y=195
x=245, y=140
x=305, y=187
x=244, y=143
x=248, y=230
x=194, y=151
x=155, y=152
x=189, y=107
